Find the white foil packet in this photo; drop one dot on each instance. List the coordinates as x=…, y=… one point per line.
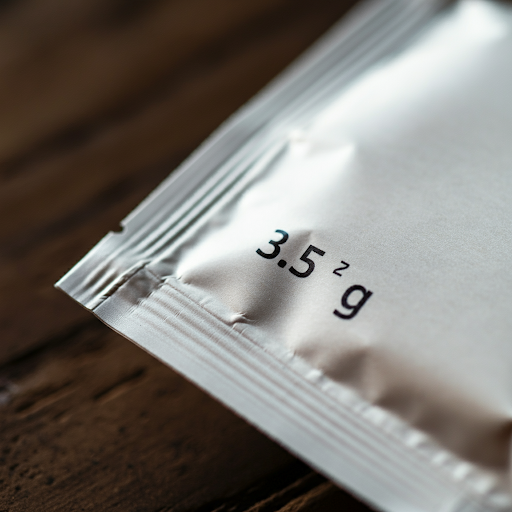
x=372, y=335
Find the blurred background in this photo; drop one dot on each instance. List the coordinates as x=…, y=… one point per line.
x=99, y=101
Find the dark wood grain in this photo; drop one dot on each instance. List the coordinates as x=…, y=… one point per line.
x=99, y=101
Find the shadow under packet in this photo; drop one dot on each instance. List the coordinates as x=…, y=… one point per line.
x=334, y=262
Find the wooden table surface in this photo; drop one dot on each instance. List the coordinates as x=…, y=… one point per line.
x=99, y=101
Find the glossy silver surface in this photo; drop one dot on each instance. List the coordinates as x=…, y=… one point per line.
x=405, y=174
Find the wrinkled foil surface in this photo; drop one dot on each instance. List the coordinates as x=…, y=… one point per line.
x=407, y=178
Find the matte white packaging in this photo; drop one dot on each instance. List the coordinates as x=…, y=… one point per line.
x=372, y=335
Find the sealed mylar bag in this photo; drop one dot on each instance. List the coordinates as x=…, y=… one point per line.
x=335, y=262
